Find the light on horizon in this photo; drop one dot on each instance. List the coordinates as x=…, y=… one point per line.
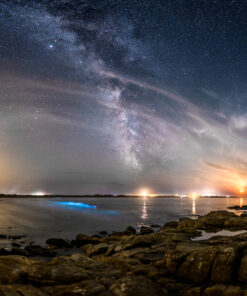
x=144, y=193
x=38, y=193
x=194, y=195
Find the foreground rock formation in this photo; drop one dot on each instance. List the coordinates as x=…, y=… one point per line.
x=166, y=262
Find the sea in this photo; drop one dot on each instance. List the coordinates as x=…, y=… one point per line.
x=37, y=219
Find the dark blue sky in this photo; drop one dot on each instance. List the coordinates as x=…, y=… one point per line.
x=112, y=96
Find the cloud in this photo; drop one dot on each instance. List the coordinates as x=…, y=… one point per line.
x=217, y=166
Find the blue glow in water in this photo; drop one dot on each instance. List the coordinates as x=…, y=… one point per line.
x=72, y=204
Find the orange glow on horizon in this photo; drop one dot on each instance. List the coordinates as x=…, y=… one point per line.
x=144, y=193
x=193, y=195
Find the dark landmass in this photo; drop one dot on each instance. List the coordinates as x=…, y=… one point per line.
x=101, y=195
x=240, y=208
x=130, y=263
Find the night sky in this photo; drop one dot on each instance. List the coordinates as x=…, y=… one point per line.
x=113, y=96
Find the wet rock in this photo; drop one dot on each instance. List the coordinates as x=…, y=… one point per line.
x=242, y=208
x=5, y=251
x=19, y=251
x=58, y=242
x=15, y=245
x=97, y=236
x=83, y=239
x=130, y=230
x=37, y=250
x=155, y=225
x=146, y=230
x=103, y=233
x=171, y=224
x=16, y=236
x=136, y=286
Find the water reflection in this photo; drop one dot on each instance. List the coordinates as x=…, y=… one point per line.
x=144, y=210
x=193, y=205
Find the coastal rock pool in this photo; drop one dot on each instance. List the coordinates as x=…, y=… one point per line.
x=42, y=218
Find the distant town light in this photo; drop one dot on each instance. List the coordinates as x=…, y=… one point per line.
x=193, y=195
x=38, y=193
x=143, y=193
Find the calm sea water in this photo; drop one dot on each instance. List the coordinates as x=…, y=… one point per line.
x=41, y=218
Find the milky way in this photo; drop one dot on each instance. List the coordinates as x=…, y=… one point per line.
x=112, y=96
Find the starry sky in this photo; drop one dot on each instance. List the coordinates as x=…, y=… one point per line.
x=113, y=96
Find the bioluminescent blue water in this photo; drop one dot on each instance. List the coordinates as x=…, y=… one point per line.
x=74, y=204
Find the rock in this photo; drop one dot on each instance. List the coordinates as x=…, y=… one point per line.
x=236, y=222
x=155, y=225
x=224, y=264
x=187, y=223
x=3, y=236
x=136, y=286
x=191, y=262
x=223, y=290
x=242, y=273
x=171, y=224
x=83, y=239
x=68, y=270
x=130, y=230
x=19, y=251
x=215, y=219
x=197, y=266
x=95, y=249
x=196, y=291
x=58, y=242
x=146, y=230
x=85, y=288
x=16, y=236
x=60, y=270
x=5, y=251
x=23, y=290
x=173, y=259
x=138, y=242
x=15, y=245
x=242, y=208
x=103, y=232
x=37, y=250
x=13, y=269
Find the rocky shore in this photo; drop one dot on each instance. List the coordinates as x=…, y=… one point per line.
x=166, y=262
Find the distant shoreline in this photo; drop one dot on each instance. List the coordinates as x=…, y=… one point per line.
x=108, y=196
